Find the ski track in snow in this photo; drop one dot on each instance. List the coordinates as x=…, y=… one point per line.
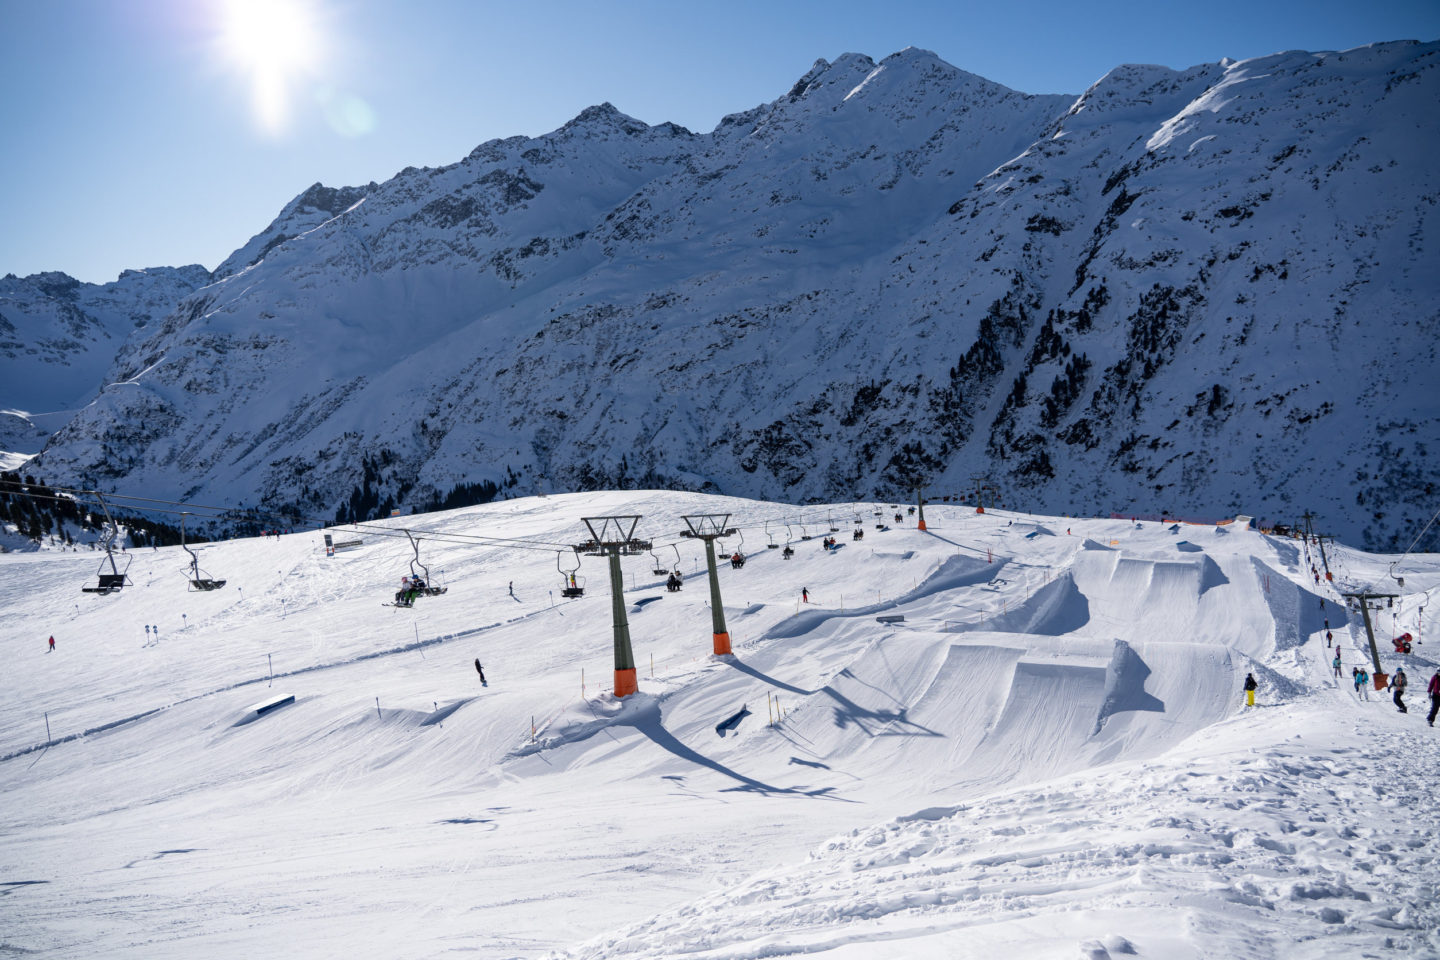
x=1046, y=757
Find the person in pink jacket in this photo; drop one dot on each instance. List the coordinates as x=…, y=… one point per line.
x=1434, y=690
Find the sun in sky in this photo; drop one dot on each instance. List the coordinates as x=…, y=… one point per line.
x=276, y=44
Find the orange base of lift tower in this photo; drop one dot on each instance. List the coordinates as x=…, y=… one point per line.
x=921, y=525
x=722, y=643
x=979, y=509
x=625, y=682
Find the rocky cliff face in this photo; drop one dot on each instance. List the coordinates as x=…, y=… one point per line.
x=1203, y=291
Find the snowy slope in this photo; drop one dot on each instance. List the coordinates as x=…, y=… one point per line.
x=1182, y=291
x=1048, y=752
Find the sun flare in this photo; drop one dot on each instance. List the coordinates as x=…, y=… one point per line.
x=275, y=42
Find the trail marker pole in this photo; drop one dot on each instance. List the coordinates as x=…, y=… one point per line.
x=270, y=661
x=377, y=709
x=47, y=726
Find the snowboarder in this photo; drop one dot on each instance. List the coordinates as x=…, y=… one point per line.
x=1434, y=690
x=1250, y=686
x=52, y=643
x=805, y=594
x=1397, y=685
x=478, y=670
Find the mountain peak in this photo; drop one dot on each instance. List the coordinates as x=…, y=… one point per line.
x=604, y=116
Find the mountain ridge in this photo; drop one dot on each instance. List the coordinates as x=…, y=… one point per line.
x=896, y=271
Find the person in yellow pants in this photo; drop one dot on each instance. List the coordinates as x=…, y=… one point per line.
x=1250, y=686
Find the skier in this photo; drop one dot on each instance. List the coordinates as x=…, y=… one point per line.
x=1328, y=637
x=1364, y=681
x=52, y=643
x=1250, y=686
x=1355, y=675
x=512, y=588
x=805, y=594
x=1336, y=662
x=1434, y=690
x=478, y=670
x=1397, y=684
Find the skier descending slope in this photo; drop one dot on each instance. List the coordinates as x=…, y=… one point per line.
x=479, y=670
x=1250, y=686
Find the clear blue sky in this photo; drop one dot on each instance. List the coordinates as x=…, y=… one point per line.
x=138, y=133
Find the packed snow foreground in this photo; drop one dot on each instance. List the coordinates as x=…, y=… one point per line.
x=1048, y=756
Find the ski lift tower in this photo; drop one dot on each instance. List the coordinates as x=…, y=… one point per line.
x=984, y=485
x=707, y=527
x=920, y=506
x=1363, y=600
x=614, y=537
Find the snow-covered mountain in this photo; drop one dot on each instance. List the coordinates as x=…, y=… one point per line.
x=1199, y=291
x=58, y=336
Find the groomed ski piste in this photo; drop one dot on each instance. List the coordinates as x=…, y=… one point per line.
x=1049, y=756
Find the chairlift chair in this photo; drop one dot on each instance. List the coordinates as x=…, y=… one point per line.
x=830, y=518
x=789, y=551
x=574, y=584
x=772, y=545
x=659, y=569
x=199, y=580
x=676, y=579
x=804, y=534
x=737, y=559
x=426, y=588
x=116, y=578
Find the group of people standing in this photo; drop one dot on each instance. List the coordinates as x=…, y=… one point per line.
x=1397, y=684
